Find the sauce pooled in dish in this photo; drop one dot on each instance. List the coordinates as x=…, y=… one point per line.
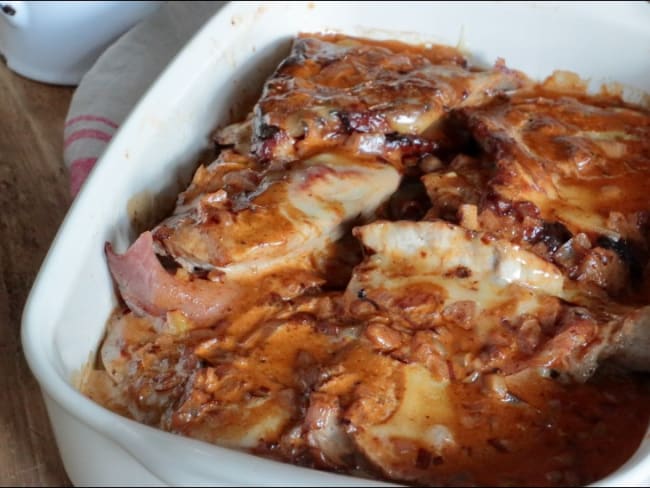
x=402, y=267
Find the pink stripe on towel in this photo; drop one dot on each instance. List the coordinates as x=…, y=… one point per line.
x=86, y=134
x=91, y=118
x=79, y=171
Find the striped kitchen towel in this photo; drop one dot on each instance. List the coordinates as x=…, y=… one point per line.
x=111, y=88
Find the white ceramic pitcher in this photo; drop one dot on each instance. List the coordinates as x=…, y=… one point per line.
x=57, y=42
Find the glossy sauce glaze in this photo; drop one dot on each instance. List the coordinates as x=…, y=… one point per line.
x=371, y=97
x=404, y=268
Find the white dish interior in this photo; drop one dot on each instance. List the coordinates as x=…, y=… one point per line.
x=154, y=154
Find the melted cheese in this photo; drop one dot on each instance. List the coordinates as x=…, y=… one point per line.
x=423, y=408
x=434, y=366
x=423, y=248
x=501, y=280
x=295, y=214
x=421, y=423
x=575, y=161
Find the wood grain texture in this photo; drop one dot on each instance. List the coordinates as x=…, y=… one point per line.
x=33, y=201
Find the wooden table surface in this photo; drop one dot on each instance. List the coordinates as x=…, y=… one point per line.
x=34, y=197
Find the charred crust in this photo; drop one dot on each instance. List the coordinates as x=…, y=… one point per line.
x=459, y=272
x=628, y=253
x=553, y=235
x=267, y=131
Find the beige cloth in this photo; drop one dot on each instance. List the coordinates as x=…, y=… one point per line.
x=123, y=73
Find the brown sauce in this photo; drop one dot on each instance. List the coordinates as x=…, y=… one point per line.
x=294, y=372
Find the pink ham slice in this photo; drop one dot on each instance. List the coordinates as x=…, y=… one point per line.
x=147, y=287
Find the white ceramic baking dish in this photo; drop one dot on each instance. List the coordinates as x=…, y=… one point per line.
x=153, y=155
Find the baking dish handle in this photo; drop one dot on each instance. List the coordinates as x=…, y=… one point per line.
x=188, y=462
x=180, y=465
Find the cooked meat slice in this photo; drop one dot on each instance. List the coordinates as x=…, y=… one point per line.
x=211, y=410
x=420, y=422
x=390, y=97
x=475, y=294
x=148, y=368
x=631, y=347
x=148, y=288
x=125, y=333
x=97, y=385
x=292, y=215
x=391, y=412
x=584, y=166
x=255, y=388
x=330, y=444
x=489, y=304
x=416, y=428
x=596, y=329
x=280, y=238
x=412, y=249
x=564, y=179
x=462, y=193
